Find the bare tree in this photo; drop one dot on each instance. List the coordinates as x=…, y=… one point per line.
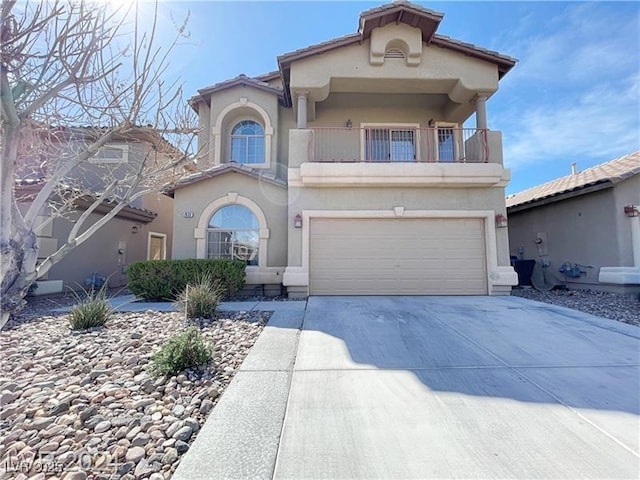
x=74, y=77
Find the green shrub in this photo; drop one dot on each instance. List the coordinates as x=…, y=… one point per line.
x=166, y=279
x=185, y=350
x=92, y=310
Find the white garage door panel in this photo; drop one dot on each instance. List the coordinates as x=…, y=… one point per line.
x=397, y=256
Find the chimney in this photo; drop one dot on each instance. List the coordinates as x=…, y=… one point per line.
x=573, y=168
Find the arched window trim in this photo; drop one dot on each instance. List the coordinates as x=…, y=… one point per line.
x=232, y=198
x=216, y=130
x=246, y=138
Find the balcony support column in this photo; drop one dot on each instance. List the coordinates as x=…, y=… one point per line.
x=481, y=112
x=302, y=109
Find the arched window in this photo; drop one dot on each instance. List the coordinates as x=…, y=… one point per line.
x=234, y=233
x=247, y=142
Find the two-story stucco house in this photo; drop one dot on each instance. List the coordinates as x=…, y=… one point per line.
x=348, y=170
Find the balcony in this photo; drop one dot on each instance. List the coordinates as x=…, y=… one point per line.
x=396, y=157
x=399, y=144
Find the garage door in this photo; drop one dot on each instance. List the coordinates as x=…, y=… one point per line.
x=397, y=257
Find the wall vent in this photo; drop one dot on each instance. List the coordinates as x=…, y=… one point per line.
x=394, y=53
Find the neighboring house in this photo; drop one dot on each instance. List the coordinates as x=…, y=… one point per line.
x=589, y=218
x=348, y=170
x=142, y=230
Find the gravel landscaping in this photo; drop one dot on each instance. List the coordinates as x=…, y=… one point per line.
x=82, y=405
x=614, y=306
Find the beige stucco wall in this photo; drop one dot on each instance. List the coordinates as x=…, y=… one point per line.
x=272, y=200
x=375, y=108
x=584, y=230
x=286, y=122
x=366, y=198
x=100, y=252
x=205, y=152
x=163, y=223
x=239, y=103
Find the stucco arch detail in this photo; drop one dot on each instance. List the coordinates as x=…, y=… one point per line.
x=216, y=131
x=232, y=198
x=403, y=37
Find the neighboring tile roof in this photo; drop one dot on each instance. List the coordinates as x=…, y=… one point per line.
x=221, y=169
x=612, y=172
x=26, y=191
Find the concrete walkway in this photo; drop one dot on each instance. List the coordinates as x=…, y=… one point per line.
x=241, y=436
x=130, y=303
x=428, y=387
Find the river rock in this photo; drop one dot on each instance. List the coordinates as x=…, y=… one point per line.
x=135, y=454
x=183, y=433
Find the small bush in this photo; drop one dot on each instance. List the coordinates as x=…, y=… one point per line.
x=185, y=350
x=92, y=310
x=201, y=299
x=166, y=279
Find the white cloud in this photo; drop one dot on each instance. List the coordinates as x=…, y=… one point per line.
x=601, y=123
x=585, y=40
x=575, y=95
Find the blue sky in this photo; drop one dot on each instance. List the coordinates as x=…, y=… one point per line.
x=574, y=96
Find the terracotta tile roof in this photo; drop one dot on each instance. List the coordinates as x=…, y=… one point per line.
x=241, y=79
x=400, y=3
x=265, y=77
x=504, y=62
x=345, y=40
x=221, y=169
x=400, y=11
x=612, y=172
x=427, y=20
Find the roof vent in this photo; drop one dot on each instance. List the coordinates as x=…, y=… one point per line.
x=574, y=169
x=394, y=53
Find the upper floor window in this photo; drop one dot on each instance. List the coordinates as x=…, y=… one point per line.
x=111, y=154
x=247, y=143
x=233, y=233
x=390, y=144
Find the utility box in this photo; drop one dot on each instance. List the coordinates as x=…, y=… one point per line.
x=524, y=269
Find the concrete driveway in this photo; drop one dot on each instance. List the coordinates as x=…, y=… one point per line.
x=472, y=387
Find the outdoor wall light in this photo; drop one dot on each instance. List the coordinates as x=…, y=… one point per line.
x=349, y=123
x=501, y=221
x=135, y=229
x=631, y=210
x=297, y=221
